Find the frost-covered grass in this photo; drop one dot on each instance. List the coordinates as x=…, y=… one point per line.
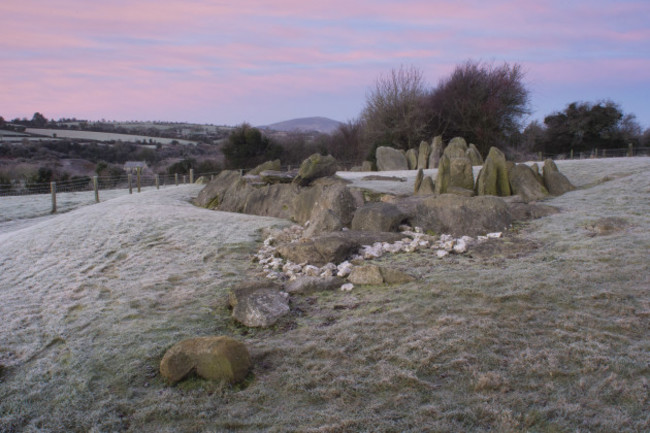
x=552, y=338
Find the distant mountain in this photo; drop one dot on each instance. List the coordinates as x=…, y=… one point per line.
x=305, y=124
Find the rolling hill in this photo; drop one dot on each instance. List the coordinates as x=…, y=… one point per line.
x=305, y=124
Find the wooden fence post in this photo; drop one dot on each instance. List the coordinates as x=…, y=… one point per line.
x=96, y=187
x=157, y=182
x=53, y=189
x=176, y=178
x=139, y=171
x=191, y=175
x=130, y=176
x=571, y=157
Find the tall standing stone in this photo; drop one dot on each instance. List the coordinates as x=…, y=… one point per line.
x=460, y=173
x=418, y=181
x=456, y=148
x=474, y=155
x=436, y=152
x=442, y=180
x=412, y=158
x=423, y=155
x=556, y=183
x=493, y=177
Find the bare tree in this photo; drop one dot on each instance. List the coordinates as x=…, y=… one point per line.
x=483, y=103
x=395, y=113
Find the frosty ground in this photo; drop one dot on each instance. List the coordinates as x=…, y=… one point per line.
x=546, y=332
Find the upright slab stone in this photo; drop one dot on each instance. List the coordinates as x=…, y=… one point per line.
x=556, y=183
x=436, y=151
x=412, y=158
x=456, y=148
x=423, y=155
x=460, y=173
x=418, y=181
x=426, y=187
x=390, y=159
x=524, y=184
x=474, y=155
x=493, y=177
x=442, y=180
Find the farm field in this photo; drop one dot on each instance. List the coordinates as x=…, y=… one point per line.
x=103, y=136
x=544, y=331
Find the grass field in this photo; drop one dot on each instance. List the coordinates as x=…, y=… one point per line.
x=545, y=330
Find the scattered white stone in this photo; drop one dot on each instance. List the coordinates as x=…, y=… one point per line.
x=441, y=253
x=347, y=287
x=284, y=294
x=418, y=230
x=274, y=275
x=460, y=246
x=372, y=252
x=482, y=238
x=448, y=245
x=327, y=273
x=269, y=241
x=344, y=269
x=494, y=235
x=446, y=238
x=311, y=270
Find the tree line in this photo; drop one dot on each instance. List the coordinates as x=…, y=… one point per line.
x=485, y=103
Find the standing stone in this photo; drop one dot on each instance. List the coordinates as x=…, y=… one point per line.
x=556, y=183
x=366, y=166
x=436, y=152
x=442, y=180
x=524, y=184
x=418, y=181
x=474, y=155
x=456, y=148
x=460, y=173
x=538, y=176
x=412, y=159
x=390, y=159
x=427, y=187
x=493, y=177
x=423, y=155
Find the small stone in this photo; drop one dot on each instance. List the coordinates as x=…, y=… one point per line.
x=494, y=235
x=441, y=253
x=311, y=270
x=460, y=246
x=347, y=287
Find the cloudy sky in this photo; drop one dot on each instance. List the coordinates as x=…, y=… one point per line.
x=225, y=62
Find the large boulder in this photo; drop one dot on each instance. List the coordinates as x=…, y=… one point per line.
x=436, y=151
x=212, y=195
x=259, y=305
x=474, y=155
x=412, y=158
x=524, y=183
x=457, y=215
x=374, y=275
x=377, y=217
x=456, y=148
x=390, y=159
x=493, y=177
x=556, y=183
x=423, y=155
x=214, y=358
x=314, y=167
x=328, y=204
x=274, y=165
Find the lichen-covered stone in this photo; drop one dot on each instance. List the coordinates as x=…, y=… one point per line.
x=274, y=165
x=423, y=155
x=524, y=183
x=556, y=183
x=412, y=158
x=460, y=173
x=474, y=155
x=456, y=148
x=314, y=167
x=366, y=275
x=418, y=181
x=436, y=151
x=442, y=179
x=217, y=358
x=493, y=177
x=427, y=186
x=377, y=217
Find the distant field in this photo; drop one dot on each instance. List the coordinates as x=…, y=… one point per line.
x=104, y=136
x=546, y=330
